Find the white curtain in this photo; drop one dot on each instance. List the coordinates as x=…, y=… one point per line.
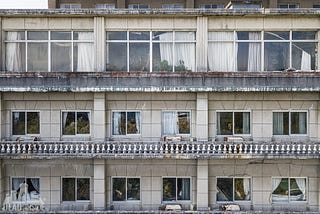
x=116, y=123
x=137, y=118
x=254, y=53
x=301, y=182
x=185, y=189
x=275, y=183
x=85, y=53
x=170, y=123
x=246, y=123
x=246, y=188
x=13, y=52
x=185, y=52
x=302, y=123
x=218, y=124
x=305, y=61
x=166, y=52
x=278, y=123
x=221, y=55
x=65, y=115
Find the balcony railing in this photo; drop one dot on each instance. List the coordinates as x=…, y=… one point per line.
x=184, y=149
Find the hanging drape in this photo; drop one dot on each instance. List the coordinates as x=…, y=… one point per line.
x=13, y=52
x=170, y=123
x=254, y=52
x=278, y=123
x=166, y=53
x=221, y=55
x=302, y=123
x=85, y=53
x=116, y=123
x=137, y=118
x=246, y=123
x=185, y=189
x=301, y=182
x=305, y=61
x=218, y=124
x=246, y=188
x=185, y=51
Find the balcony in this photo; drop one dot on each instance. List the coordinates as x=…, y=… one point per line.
x=159, y=150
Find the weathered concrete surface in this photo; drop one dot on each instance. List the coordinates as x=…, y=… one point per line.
x=160, y=82
x=160, y=11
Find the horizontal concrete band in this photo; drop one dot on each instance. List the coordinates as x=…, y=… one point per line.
x=160, y=82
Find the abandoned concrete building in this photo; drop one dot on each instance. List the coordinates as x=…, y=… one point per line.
x=160, y=108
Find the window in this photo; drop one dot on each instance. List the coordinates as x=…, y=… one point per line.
x=211, y=6
x=290, y=123
x=288, y=5
x=233, y=123
x=176, y=122
x=25, y=189
x=49, y=51
x=25, y=123
x=75, y=123
x=245, y=5
x=125, y=123
x=125, y=189
x=172, y=6
x=105, y=6
x=75, y=189
x=244, y=50
x=151, y=51
x=288, y=189
x=138, y=6
x=176, y=189
x=233, y=189
x=70, y=6
x=316, y=5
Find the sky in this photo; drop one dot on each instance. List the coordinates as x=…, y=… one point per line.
x=23, y=4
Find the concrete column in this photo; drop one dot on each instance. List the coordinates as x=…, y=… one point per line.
x=99, y=184
x=273, y=3
x=52, y=4
x=202, y=185
x=99, y=38
x=99, y=118
x=202, y=117
x=202, y=44
x=121, y=3
x=189, y=3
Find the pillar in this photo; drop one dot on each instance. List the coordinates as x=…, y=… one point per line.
x=99, y=118
x=189, y=3
x=273, y=3
x=202, y=44
x=52, y=4
x=202, y=185
x=121, y=4
x=202, y=117
x=99, y=186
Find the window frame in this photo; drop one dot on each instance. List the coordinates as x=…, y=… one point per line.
x=262, y=41
x=75, y=189
x=70, y=6
x=105, y=6
x=176, y=111
x=76, y=134
x=137, y=6
x=25, y=179
x=292, y=111
x=176, y=197
x=211, y=6
x=25, y=122
x=234, y=111
x=126, y=111
x=172, y=6
x=287, y=5
x=126, y=191
x=233, y=188
x=150, y=42
x=289, y=201
x=72, y=41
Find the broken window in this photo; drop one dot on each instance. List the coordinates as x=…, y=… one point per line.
x=75, y=189
x=25, y=123
x=125, y=123
x=233, y=123
x=176, y=189
x=290, y=123
x=288, y=189
x=233, y=189
x=75, y=123
x=25, y=189
x=125, y=189
x=60, y=51
x=176, y=122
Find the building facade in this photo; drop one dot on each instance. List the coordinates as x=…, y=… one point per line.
x=137, y=109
